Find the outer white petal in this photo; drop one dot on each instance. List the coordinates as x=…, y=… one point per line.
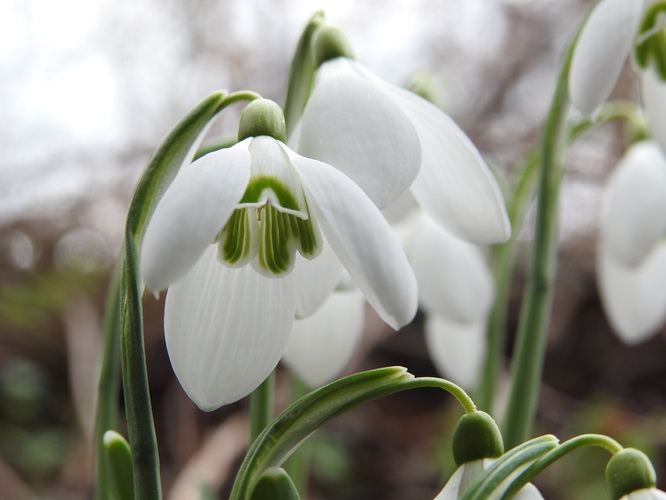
x=362, y=239
x=455, y=186
x=453, y=276
x=529, y=492
x=646, y=494
x=226, y=329
x=350, y=124
x=451, y=490
x=316, y=279
x=601, y=51
x=457, y=349
x=654, y=102
x=634, y=299
x=634, y=209
x=192, y=211
x=321, y=345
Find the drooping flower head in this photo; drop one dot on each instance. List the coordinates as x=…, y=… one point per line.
x=631, y=255
x=613, y=30
x=477, y=443
x=224, y=239
x=630, y=475
x=352, y=111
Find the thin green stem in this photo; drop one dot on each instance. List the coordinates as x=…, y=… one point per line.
x=598, y=440
x=108, y=386
x=140, y=425
x=532, y=328
x=261, y=406
x=234, y=97
x=439, y=383
x=503, y=265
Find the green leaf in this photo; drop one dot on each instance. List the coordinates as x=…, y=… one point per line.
x=120, y=463
x=306, y=415
x=275, y=484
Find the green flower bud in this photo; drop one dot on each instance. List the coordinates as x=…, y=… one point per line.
x=629, y=470
x=330, y=42
x=275, y=484
x=650, y=48
x=262, y=117
x=475, y=437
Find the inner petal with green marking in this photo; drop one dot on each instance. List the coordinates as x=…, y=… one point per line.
x=270, y=224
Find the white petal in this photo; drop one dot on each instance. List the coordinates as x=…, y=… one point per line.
x=634, y=209
x=316, y=279
x=455, y=186
x=350, y=124
x=192, y=211
x=451, y=490
x=634, y=299
x=226, y=329
x=601, y=51
x=457, y=349
x=529, y=492
x=654, y=102
x=362, y=239
x=645, y=494
x=321, y=345
x=453, y=276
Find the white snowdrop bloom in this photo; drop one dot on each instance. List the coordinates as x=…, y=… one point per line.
x=601, y=52
x=631, y=254
x=224, y=239
x=451, y=181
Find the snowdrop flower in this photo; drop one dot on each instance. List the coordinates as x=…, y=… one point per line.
x=477, y=443
x=224, y=238
x=631, y=260
x=613, y=29
x=456, y=293
x=350, y=110
x=630, y=475
x=601, y=51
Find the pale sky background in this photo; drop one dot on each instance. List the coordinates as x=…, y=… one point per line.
x=89, y=87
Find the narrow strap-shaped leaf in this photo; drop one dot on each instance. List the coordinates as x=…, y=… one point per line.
x=307, y=414
x=107, y=411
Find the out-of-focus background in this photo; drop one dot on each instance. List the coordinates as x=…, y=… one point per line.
x=87, y=90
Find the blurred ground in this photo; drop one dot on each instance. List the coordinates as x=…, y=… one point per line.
x=87, y=91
